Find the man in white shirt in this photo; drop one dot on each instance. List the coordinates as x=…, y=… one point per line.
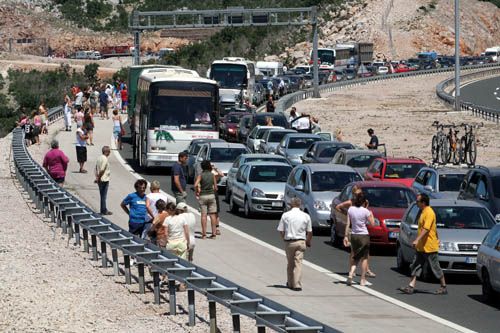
x=102, y=177
x=78, y=99
x=296, y=230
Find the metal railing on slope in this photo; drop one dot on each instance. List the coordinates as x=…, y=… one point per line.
x=95, y=232
x=484, y=112
x=287, y=101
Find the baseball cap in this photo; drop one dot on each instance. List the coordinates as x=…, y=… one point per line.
x=181, y=205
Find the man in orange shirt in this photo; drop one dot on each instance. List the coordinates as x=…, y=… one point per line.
x=427, y=246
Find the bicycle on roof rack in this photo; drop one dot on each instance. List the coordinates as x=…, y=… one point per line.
x=468, y=144
x=440, y=144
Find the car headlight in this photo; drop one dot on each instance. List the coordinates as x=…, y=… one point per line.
x=281, y=197
x=320, y=205
x=377, y=222
x=448, y=247
x=256, y=193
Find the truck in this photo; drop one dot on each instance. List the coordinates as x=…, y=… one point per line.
x=493, y=53
x=427, y=56
x=87, y=55
x=270, y=68
x=115, y=51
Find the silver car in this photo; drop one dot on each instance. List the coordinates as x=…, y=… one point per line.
x=359, y=159
x=488, y=265
x=259, y=187
x=246, y=158
x=253, y=139
x=439, y=182
x=294, y=145
x=193, y=150
x=271, y=139
x=222, y=156
x=462, y=226
x=316, y=184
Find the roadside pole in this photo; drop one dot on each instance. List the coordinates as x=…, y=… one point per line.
x=315, y=55
x=137, y=38
x=457, y=56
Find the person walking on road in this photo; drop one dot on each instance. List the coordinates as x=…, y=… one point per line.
x=373, y=144
x=117, y=129
x=178, y=178
x=81, y=147
x=357, y=219
x=67, y=113
x=89, y=125
x=56, y=163
x=205, y=187
x=103, y=103
x=296, y=230
x=102, y=177
x=135, y=206
x=427, y=246
x=270, y=104
x=191, y=222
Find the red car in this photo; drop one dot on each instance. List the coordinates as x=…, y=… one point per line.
x=388, y=203
x=401, y=68
x=394, y=170
x=229, y=126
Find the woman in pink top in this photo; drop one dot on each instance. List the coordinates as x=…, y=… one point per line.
x=56, y=163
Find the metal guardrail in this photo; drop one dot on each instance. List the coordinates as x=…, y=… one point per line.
x=287, y=101
x=484, y=112
x=99, y=235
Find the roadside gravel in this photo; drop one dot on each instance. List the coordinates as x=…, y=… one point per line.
x=49, y=285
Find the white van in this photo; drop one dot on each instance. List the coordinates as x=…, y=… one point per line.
x=270, y=68
x=493, y=53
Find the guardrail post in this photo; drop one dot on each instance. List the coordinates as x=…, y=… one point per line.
x=191, y=307
x=140, y=271
x=236, y=323
x=114, y=256
x=77, y=233
x=212, y=313
x=126, y=262
x=104, y=255
x=93, y=246
x=156, y=286
x=171, y=297
x=85, y=240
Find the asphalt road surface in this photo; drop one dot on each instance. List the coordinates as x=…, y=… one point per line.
x=463, y=305
x=483, y=93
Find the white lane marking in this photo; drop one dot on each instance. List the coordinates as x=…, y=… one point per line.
x=318, y=268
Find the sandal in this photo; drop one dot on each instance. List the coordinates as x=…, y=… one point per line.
x=407, y=290
x=212, y=237
x=217, y=231
x=371, y=274
x=83, y=171
x=203, y=236
x=441, y=291
x=349, y=281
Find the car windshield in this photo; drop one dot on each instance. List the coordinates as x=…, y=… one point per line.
x=301, y=143
x=332, y=181
x=266, y=159
x=463, y=218
x=232, y=119
x=277, y=120
x=229, y=76
x=402, y=170
x=361, y=161
x=178, y=106
x=261, y=132
x=450, y=182
x=389, y=197
x=270, y=173
x=495, y=181
x=325, y=151
x=276, y=136
x=225, y=154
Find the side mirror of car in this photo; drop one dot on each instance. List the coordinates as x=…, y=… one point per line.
x=429, y=188
x=199, y=159
x=309, y=154
x=497, y=218
x=299, y=188
x=483, y=197
x=376, y=175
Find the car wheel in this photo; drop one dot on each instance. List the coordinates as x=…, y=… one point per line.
x=489, y=294
x=233, y=207
x=247, y=210
x=401, y=264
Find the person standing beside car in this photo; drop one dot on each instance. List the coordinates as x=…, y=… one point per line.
x=205, y=187
x=178, y=178
x=270, y=104
x=373, y=144
x=427, y=246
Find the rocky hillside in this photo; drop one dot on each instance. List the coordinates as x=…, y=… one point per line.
x=400, y=28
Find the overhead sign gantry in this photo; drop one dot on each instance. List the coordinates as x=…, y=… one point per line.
x=224, y=18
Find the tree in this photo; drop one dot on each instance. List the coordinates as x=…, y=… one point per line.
x=90, y=73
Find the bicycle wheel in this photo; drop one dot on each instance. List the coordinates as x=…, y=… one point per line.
x=463, y=150
x=472, y=151
x=435, y=149
x=444, y=150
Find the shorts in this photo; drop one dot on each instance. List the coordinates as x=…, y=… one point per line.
x=124, y=104
x=178, y=247
x=36, y=131
x=117, y=132
x=432, y=261
x=360, y=246
x=104, y=107
x=208, y=204
x=89, y=126
x=136, y=228
x=93, y=104
x=59, y=180
x=81, y=154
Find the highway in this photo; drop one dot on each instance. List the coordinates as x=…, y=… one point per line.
x=483, y=93
x=462, y=305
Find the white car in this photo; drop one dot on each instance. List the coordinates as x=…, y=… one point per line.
x=383, y=70
x=255, y=136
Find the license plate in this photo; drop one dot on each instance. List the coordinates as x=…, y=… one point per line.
x=471, y=260
x=276, y=204
x=393, y=234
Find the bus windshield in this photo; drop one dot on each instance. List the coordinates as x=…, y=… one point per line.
x=183, y=106
x=229, y=76
x=326, y=56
